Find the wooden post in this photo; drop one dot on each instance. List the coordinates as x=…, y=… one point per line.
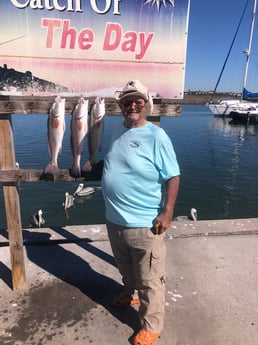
x=12, y=203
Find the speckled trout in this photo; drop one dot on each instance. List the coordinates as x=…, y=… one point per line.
x=56, y=129
x=96, y=129
x=79, y=129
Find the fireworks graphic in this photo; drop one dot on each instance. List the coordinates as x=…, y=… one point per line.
x=160, y=2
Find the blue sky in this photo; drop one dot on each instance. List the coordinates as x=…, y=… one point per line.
x=212, y=25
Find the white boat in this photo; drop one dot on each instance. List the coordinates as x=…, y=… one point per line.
x=245, y=108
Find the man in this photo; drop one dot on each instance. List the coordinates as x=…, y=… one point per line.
x=140, y=184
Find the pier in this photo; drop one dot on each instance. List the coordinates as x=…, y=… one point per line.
x=57, y=283
x=211, y=289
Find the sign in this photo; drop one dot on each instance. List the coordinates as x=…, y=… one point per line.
x=92, y=47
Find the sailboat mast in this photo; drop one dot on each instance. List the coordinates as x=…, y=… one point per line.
x=248, y=51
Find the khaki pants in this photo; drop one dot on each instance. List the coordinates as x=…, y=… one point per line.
x=140, y=256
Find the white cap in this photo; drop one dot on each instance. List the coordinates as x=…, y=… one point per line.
x=133, y=88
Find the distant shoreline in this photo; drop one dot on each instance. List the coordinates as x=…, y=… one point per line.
x=203, y=98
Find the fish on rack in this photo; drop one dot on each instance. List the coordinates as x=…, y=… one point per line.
x=37, y=219
x=56, y=129
x=96, y=129
x=79, y=129
x=81, y=190
x=69, y=201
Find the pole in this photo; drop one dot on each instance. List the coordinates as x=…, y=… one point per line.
x=12, y=204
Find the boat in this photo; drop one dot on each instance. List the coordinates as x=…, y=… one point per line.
x=245, y=108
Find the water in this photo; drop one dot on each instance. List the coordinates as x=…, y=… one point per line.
x=218, y=161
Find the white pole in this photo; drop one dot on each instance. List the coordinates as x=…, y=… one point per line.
x=248, y=51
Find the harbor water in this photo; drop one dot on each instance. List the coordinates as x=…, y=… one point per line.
x=218, y=161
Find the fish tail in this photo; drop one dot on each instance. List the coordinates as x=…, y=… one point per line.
x=87, y=166
x=51, y=168
x=75, y=171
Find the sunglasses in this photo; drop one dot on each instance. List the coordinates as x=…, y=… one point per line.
x=139, y=103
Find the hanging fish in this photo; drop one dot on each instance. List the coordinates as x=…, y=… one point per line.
x=79, y=129
x=56, y=129
x=95, y=131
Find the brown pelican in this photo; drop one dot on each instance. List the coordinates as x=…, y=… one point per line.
x=37, y=219
x=192, y=216
x=83, y=191
x=69, y=199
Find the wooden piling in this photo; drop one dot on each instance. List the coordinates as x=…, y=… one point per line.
x=12, y=203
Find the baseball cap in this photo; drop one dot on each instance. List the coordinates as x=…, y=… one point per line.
x=133, y=88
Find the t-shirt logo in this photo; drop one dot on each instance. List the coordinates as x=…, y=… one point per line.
x=135, y=143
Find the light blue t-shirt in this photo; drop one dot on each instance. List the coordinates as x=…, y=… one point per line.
x=138, y=163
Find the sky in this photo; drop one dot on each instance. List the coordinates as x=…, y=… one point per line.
x=212, y=26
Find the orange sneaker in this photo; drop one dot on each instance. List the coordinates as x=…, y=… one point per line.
x=145, y=337
x=123, y=300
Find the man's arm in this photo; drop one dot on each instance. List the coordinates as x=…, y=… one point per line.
x=164, y=219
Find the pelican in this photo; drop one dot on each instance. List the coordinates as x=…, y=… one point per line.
x=80, y=186
x=69, y=199
x=83, y=191
x=37, y=219
x=192, y=216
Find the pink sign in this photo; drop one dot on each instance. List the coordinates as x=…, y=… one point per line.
x=92, y=47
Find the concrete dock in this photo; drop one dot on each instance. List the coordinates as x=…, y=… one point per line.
x=211, y=295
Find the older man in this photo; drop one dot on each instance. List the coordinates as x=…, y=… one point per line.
x=140, y=185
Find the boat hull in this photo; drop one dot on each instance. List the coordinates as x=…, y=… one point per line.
x=244, y=116
x=239, y=110
x=223, y=108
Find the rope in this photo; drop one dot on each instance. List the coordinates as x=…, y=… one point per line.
x=231, y=46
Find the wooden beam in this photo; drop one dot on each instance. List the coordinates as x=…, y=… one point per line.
x=37, y=175
x=12, y=204
x=41, y=105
